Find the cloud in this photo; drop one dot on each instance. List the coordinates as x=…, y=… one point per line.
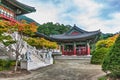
x=52, y=11
x=87, y=14
x=88, y=18
x=44, y=12
x=91, y=18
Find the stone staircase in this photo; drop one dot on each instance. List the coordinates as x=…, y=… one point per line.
x=36, y=62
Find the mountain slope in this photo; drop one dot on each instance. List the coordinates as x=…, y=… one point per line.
x=29, y=20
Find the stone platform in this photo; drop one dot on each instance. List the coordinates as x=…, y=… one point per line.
x=87, y=57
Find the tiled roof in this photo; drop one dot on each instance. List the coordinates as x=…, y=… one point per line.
x=66, y=37
x=84, y=35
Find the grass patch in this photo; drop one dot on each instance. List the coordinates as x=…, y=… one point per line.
x=103, y=78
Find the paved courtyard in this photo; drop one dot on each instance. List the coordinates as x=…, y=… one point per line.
x=65, y=70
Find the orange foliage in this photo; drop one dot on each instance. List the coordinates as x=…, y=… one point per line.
x=26, y=28
x=33, y=27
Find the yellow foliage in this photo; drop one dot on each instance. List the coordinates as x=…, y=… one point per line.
x=106, y=43
x=42, y=43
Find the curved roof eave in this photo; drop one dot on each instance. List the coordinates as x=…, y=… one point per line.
x=76, y=39
x=64, y=37
x=25, y=8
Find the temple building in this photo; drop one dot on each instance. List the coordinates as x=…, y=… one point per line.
x=10, y=9
x=74, y=42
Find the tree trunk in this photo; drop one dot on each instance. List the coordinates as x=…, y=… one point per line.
x=16, y=66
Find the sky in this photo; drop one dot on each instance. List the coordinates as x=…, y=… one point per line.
x=89, y=15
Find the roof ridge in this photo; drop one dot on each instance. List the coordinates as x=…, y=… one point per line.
x=81, y=30
x=77, y=29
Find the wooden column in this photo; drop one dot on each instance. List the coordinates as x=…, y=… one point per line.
x=74, y=48
x=88, y=49
x=62, y=49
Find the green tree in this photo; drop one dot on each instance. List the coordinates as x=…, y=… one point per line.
x=102, y=49
x=112, y=60
x=51, y=29
x=105, y=36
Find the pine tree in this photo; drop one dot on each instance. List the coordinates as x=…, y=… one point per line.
x=112, y=61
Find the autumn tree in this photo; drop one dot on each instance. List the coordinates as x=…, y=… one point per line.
x=23, y=28
x=28, y=28
x=41, y=43
x=17, y=30
x=102, y=49
x=6, y=27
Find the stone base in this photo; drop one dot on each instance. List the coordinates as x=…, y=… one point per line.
x=73, y=57
x=31, y=65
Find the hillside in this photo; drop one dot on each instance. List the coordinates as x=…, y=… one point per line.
x=51, y=28
x=29, y=20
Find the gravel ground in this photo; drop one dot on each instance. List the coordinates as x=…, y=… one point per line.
x=65, y=70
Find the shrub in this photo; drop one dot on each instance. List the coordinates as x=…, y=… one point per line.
x=112, y=60
x=99, y=55
x=6, y=64
x=7, y=43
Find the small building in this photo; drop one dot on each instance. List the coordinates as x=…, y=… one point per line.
x=10, y=9
x=74, y=42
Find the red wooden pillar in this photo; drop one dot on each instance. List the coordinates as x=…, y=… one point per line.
x=74, y=49
x=63, y=50
x=88, y=49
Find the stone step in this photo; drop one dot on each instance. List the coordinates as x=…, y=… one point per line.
x=73, y=57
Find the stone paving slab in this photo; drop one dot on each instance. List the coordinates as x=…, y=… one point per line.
x=65, y=70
